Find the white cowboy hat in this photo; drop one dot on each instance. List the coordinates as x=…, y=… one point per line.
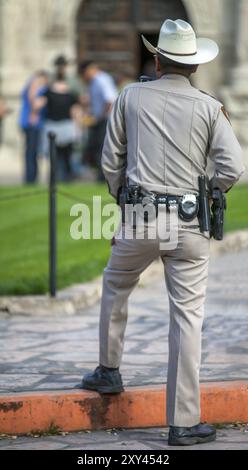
x=178, y=42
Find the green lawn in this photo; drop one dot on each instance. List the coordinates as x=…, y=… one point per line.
x=24, y=241
x=237, y=208
x=24, y=238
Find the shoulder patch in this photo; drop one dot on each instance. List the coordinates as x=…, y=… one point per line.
x=205, y=93
x=224, y=111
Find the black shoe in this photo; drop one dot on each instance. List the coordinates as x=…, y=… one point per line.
x=103, y=380
x=198, y=434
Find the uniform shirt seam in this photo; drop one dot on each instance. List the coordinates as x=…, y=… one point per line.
x=137, y=139
x=212, y=125
x=191, y=160
x=164, y=140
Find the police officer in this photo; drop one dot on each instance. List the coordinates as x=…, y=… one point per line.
x=160, y=136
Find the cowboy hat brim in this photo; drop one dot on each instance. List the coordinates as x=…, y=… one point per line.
x=207, y=50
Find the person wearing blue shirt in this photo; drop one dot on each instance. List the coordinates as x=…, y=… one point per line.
x=102, y=94
x=31, y=122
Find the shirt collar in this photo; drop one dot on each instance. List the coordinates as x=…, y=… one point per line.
x=176, y=76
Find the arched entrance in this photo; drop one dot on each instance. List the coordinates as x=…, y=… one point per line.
x=109, y=31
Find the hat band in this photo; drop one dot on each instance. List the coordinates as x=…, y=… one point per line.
x=174, y=53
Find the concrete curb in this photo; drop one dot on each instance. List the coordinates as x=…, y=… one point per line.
x=81, y=296
x=68, y=300
x=221, y=402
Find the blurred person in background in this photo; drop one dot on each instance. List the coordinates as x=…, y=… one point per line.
x=61, y=66
x=31, y=121
x=4, y=110
x=64, y=67
x=61, y=110
x=102, y=94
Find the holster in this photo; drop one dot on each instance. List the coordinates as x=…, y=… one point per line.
x=217, y=214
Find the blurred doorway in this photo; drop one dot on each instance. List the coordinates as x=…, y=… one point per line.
x=146, y=58
x=109, y=32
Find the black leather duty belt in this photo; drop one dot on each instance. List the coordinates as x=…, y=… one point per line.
x=155, y=199
x=187, y=205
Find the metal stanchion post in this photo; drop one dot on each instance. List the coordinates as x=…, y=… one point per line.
x=52, y=216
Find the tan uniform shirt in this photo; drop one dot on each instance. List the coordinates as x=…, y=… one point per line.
x=160, y=135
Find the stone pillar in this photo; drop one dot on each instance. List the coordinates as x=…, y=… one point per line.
x=235, y=95
x=240, y=72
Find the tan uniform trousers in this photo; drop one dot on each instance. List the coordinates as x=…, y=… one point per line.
x=186, y=270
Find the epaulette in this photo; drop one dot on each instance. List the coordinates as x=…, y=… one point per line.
x=205, y=93
x=223, y=109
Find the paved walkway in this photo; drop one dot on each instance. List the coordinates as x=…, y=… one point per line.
x=228, y=438
x=42, y=353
